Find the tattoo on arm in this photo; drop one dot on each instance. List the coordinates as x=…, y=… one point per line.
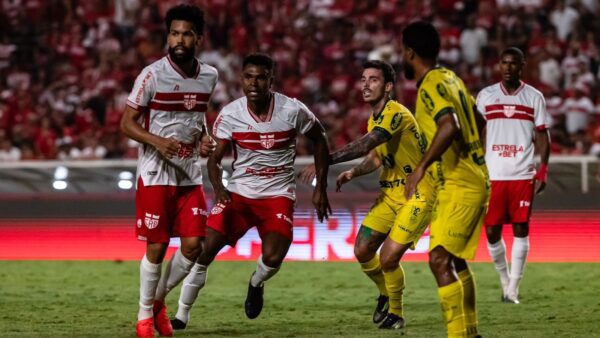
x=368, y=165
x=362, y=146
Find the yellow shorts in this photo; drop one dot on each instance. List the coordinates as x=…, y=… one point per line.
x=404, y=223
x=457, y=219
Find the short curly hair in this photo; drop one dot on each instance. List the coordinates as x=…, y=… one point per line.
x=184, y=12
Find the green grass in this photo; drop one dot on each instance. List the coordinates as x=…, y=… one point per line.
x=99, y=299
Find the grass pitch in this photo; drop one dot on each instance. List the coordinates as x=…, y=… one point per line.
x=99, y=299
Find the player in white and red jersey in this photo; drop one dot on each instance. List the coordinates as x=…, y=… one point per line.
x=516, y=118
x=166, y=113
x=262, y=127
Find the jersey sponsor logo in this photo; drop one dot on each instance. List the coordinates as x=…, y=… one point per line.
x=186, y=150
x=140, y=92
x=441, y=89
x=151, y=221
x=285, y=218
x=151, y=173
x=427, y=101
x=267, y=172
x=507, y=150
x=199, y=211
x=392, y=184
x=217, y=209
x=407, y=169
x=267, y=140
x=189, y=101
x=524, y=204
x=396, y=120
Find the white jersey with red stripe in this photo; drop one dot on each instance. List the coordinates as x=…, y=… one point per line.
x=512, y=120
x=173, y=105
x=264, y=151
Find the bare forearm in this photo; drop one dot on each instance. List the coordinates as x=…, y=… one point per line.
x=215, y=173
x=321, y=163
x=134, y=131
x=367, y=166
x=543, y=144
x=440, y=143
x=360, y=147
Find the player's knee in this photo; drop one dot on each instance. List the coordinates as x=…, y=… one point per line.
x=493, y=233
x=521, y=229
x=191, y=252
x=389, y=262
x=273, y=259
x=363, y=253
x=439, y=261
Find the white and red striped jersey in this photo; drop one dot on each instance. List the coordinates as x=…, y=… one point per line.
x=264, y=151
x=512, y=120
x=173, y=105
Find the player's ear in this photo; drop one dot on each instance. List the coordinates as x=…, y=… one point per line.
x=199, y=41
x=389, y=86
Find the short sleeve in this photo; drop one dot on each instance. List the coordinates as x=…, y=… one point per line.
x=305, y=119
x=541, y=117
x=143, y=90
x=480, y=103
x=222, y=127
x=435, y=97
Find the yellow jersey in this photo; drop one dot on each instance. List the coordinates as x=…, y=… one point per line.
x=441, y=92
x=401, y=153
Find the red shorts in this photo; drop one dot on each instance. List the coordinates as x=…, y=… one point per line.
x=234, y=219
x=164, y=211
x=510, y=202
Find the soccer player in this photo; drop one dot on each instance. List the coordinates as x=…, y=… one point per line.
x=393, y=141
x=166, y=113
x=262, y=127
x=445, y=114
x=516, y=116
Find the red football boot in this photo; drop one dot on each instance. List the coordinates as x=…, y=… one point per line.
x=161, y=319
x=145, y=328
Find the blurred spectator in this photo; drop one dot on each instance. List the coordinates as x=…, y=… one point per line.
x=578, y=111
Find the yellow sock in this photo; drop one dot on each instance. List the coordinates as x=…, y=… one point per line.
x=394, y=282
x=373, y=270
x=451, y=299
x=469, y=301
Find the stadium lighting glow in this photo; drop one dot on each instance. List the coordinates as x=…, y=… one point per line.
x=61, y=172
x=59, y=185
x=125, y=184
x=125, y=175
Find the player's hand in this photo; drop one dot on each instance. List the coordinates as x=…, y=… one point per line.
x=308, y=174
x=412, y=181
x=222, y=196
x=321, y=203
x=168, y=147
x=342, y=179
x=541, y=186
x=207, y=145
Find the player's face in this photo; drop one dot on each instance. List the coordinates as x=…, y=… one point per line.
x=256, y=82
x=182, y=40
x=373, y=85
x=408, y=68
x=510, y=67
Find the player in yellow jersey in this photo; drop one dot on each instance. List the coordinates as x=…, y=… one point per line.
x=446, y=115
x=393, y=141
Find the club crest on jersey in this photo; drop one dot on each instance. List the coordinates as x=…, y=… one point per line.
x=189, y=101
x=217, y=209
x=151, y=221
x=267, y=141
x=509, y=110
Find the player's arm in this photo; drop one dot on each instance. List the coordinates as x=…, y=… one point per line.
x=215, y=171
x=481, y=126
x=362, y=146
x=168, y=147
x=370, y=163
x=542, y=143
x=320, y=201
x=446, y=132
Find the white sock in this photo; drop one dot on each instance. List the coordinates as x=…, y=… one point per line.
x=520, y=249
x=262, y=273
x=498, y=253
x=192, y=284
x=176, y=270
x=149, y=276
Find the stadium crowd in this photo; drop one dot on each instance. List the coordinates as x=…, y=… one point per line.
x=67, y=66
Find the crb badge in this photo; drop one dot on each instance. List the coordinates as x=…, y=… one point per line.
x=189, y=101
x=427, y=101
x=396, y=120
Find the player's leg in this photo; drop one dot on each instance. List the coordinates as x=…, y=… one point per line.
x=412, y=218
x=520, y=211
x=196, y=279
x=495, y=218
x=467, y=279
x=366, y=244
x=391, y=253
x=274, y=248
x=520, y=249
x=178, y=268
x=450, y=290
x=150, y=270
